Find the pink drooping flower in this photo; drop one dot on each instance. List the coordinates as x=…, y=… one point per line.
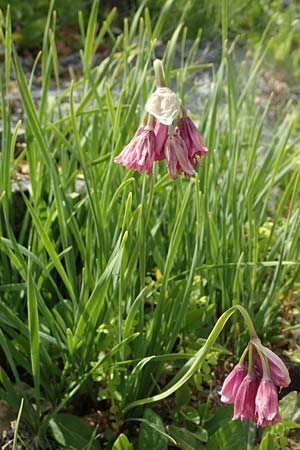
x=181, y=148
x=232, y=383
x=254, y=395
x=161, y=134
x=266, y=403
x=176, y=155
x=278, y=371
x=244, y=402
x=192, y=138
x=139, y=154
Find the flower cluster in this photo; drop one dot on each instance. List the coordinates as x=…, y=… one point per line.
x=254, y=391
x=167, y=134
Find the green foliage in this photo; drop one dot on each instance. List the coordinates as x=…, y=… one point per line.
x=152, y=432
x=233, y=435
x=185, y=439
x=267, y=442
x=111, y=286
x=122, y=443
x=275, y=437
x=286, y=39
x=248, y=19
x=71, y=432
x=29, y=18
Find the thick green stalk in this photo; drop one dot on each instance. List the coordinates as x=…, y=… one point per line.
x=159, y=73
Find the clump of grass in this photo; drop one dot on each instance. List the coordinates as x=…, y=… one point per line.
x=81, y=310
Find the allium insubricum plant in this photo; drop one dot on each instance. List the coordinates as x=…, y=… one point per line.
x=167, y=133
x=254, y=390
x=251, y=388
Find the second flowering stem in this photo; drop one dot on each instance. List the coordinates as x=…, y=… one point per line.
x=194, y=363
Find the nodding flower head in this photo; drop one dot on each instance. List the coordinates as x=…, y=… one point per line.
x=254, y=394
x=139, y=154
x=181, y=148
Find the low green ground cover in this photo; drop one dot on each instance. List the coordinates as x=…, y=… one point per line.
x=110, y=287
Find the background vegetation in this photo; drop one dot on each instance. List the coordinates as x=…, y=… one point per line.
x=247, y=19
x=112, y=281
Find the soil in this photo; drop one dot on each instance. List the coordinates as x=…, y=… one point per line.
x=294, y=440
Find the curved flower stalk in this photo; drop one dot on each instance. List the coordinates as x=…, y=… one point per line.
x=254, y=395
x=182, y=149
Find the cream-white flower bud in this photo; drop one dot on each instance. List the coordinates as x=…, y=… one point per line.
x=164, y=105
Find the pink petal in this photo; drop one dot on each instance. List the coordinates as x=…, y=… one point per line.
x=192, y=138
x=177, y=156
x=278, y=371
x=266, y=403
x=232, y=382
x=161, y=134
x=140, y=152
x=244, y=402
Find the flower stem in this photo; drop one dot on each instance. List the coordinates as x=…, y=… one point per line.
x=159, y=73
x=242, y=358
x=171, y=130
x=248, y=321
x=255, y=342
x=251, y=369
x=188, y=370
x=150, y=122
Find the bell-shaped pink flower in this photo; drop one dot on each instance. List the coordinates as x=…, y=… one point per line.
x=139, y=154
x=244, y=402
x=232, y=383
x=192, y=138
x=266, y=403
x=161, y=134
x=278, y=371
x=176, y=155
